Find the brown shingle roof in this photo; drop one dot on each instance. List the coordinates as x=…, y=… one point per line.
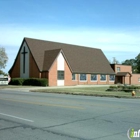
x=123, y=73
x=49, y=58
x=80, y=59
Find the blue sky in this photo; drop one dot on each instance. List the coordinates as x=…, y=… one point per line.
x=111, y=25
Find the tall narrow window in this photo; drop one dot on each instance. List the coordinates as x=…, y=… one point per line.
x=83, y=77
x=139, y=79
x=60, y=75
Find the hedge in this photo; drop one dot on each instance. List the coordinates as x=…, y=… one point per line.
x=29, y=81
x=16, y=81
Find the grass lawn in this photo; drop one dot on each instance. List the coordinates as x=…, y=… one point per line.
x=92, y=91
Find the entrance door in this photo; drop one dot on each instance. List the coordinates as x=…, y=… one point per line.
x=119, y=79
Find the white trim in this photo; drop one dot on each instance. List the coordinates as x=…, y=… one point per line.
x=27, y=59
x=60, y=62
x=83, y=80
x=93, y=80
x=60, y=67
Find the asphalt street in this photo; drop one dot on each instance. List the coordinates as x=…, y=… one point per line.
x=42, y=116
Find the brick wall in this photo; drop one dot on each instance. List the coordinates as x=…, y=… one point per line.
x=124, y=68
x=15, y=72
x=68, y=76
x=52, y=75
x=33, y=69
x=135, y=79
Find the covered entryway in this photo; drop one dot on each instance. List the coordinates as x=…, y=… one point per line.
x=123, y=78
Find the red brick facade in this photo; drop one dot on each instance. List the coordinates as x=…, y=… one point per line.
x=15, y=71
x=34, y=71
x=123, y=74
x=128, y=77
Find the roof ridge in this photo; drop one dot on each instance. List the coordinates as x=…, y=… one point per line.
x=74, y=45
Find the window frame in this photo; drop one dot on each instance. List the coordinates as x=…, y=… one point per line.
x=139, y=79
x=74, y=76
x=105, y=78
x=80, y=77
x=92, y=79
x=60, y=75
x=118, y=69
x=110, y=79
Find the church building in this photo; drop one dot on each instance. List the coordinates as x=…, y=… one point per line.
x=62, y=64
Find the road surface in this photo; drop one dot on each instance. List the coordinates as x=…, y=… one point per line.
x=42, y=116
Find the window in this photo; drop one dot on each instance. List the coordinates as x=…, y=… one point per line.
x=103, y=77
x=93, y=77
x=139, y=79
x=73, y=76
x=112, y=77
x=118, y=69
x=60, y=75
x=83, y=77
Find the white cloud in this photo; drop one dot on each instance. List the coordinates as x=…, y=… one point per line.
x=109, y=41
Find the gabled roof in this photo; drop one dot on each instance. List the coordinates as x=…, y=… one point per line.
x=80, y=59
x=49, y=58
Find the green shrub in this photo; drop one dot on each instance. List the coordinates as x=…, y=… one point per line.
x=35, y=82
x=132, y=87
x=120, y=86
x=114, y=87
x=29, y=82
x=16, y=81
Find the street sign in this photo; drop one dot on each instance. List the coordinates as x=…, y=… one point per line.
x=4, y=80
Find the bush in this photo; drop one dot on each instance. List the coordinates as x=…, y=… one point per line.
x=35, y=82
x=120, y=86
x=29, y=82
x=114, y=87
x=16, y=81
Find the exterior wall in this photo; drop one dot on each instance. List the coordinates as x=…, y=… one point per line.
x=98, y=82
x=15, y=72
x=135, y=79
x=68, y=77
x=123, y=68
x=34, y=71
x=127, y=80
x=44, y=75
x=52, y=76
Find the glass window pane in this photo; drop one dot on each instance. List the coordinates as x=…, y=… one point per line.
x=112, y=77
x=73, y=76
x=93, y=77
x=60, y=75
x=103, y=77
x=83, y=77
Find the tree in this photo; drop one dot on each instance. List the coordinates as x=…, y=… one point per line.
x=3, y=58
x=138, y=62
x=131, y=62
